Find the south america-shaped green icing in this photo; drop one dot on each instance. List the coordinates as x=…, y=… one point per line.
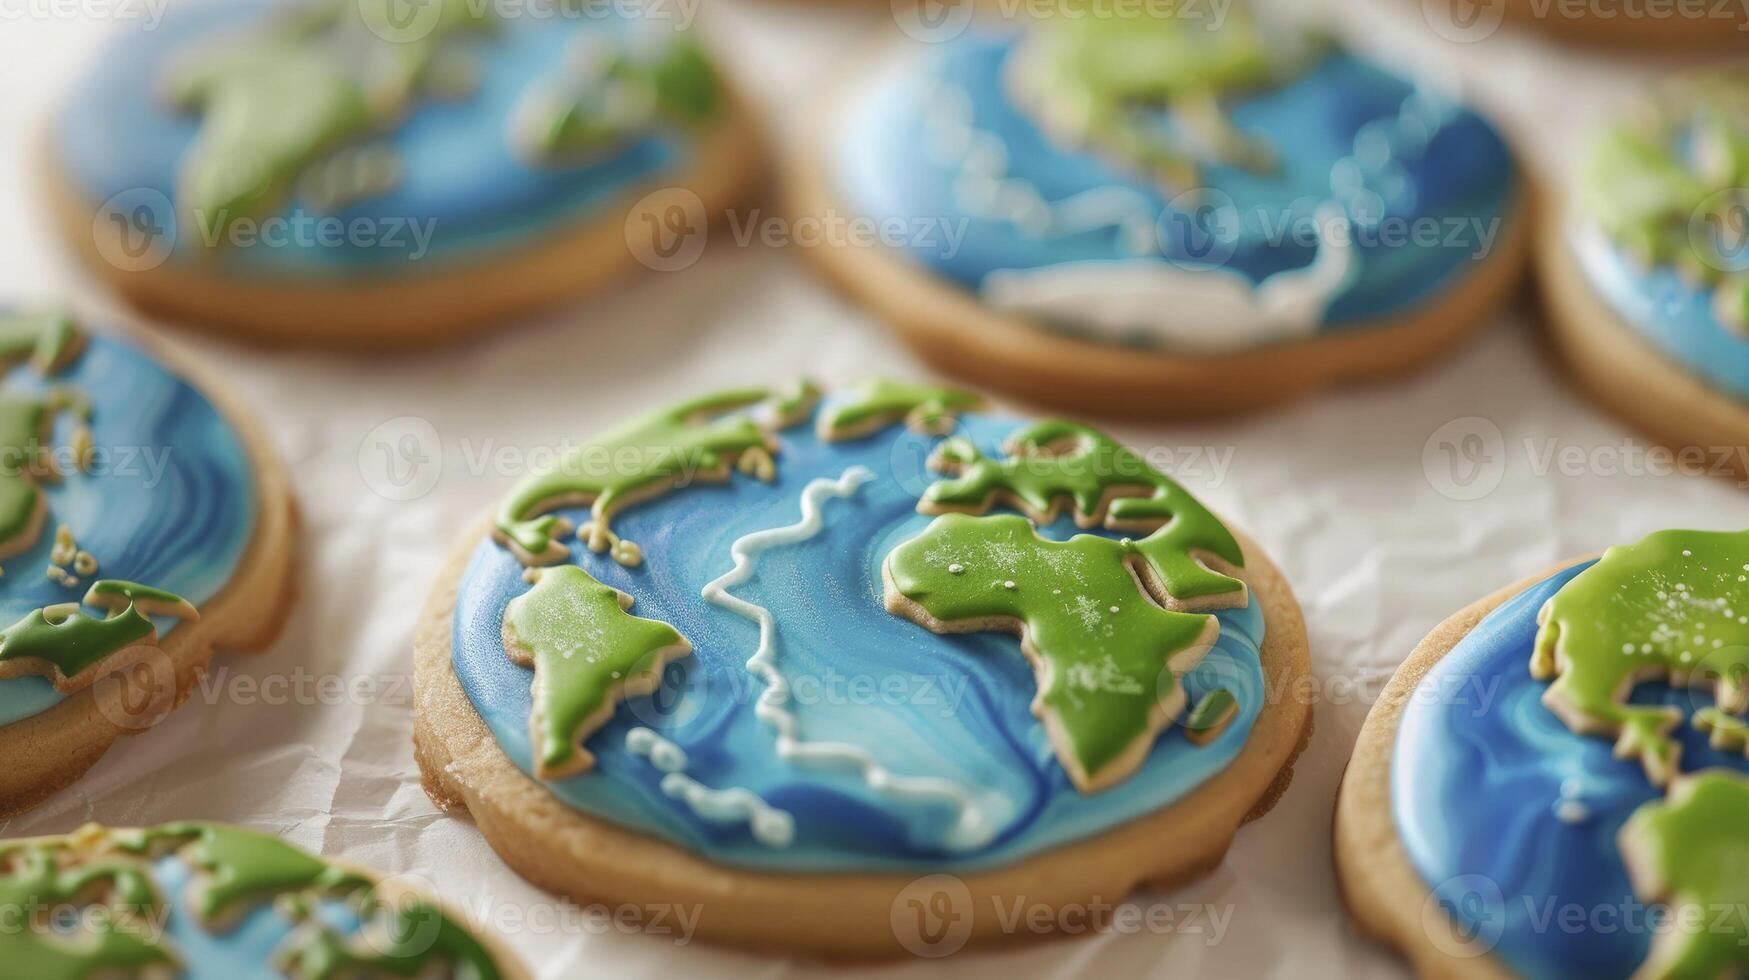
x=1102, y=77
x=1106, y=655
x=644, y=458
x=1666, y=185
x=587, y=652
x=678, y=85
x=1053, y=462
x=276, y=102
x=872, y=405
x=65, y=643
x=1675, y=606
x=1690, y=851
x=40, y=876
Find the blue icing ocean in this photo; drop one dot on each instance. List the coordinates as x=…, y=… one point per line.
x=1675, y=314
x=460, y=175
x=955, y=708
x=1511, y=818
x=1395, y=155
x=169, y=502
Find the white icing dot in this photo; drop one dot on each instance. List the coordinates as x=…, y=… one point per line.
x=956, y=568
x=1008, y=584
x=1687, y=554
x=1572, y=811
x=1114, y=609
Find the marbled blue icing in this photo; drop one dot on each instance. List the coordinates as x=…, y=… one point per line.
x=459, y=170
x=887, y=166
x=958, y=707
x=243, y=951
x=1479, y=770
x=1673, y=313
x=184, y=529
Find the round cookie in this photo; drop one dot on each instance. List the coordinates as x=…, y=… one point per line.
x=1554, y=783
x=364, y=173
x=205, y=901
x=1147, y=214
x=144, y=523
x=1645, y=266
x=788, y=671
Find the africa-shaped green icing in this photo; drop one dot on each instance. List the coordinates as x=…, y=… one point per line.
x=1676, y=606
x=41, y=876
x=587, y=652
x=1102, y=78
x=276, y=102
x=1666, y=185
x=65, y=643
x=874, y=404
x=625, y=95
x=1106, y=654
x=1053, y=462
x=1690, y=851
x=675, y=447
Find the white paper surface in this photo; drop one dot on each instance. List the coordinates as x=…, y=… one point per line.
x=1344, y=491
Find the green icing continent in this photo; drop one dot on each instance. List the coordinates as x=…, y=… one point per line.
x=647, y=457
x=277, y=102
x=1107, y=657
x=587, y=652
x=1666, y=186
x=1053, y=462
x=68, y=643
x=1211, y=715
x=1101, y=78
x=877, y=403
x=625, y=95
x=1691, y=850
x=1676, y=606
x=37, y=879
x=49, y=341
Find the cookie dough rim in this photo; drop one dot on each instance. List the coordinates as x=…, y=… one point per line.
x=1386, y=898
x=463, y=768
x=563, y=264
x=949, y=328
x=1621, y=371
x=53, y=749
x=1665, y=34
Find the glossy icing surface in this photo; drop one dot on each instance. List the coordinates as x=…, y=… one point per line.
x=170, y=500
x=1512, y=818
x=949, y=712
x=932, y=139
x=461, y=181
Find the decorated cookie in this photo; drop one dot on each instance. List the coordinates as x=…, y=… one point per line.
x=370, y=172
x=1555, y=783
x=143, y=522
x=779, y=656
x=203, y=901
x=1645, y=267
x=1148, y=213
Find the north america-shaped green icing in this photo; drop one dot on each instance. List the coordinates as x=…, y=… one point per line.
x=1666, y=185
x=587, y=653
x=877, y=403
x=1673, y=606
x=1691, y=850
x=1055, y=463
x=65, y=643
x=690, y=443
x=275, y=102
x=1105, y=76
x=1106, y=654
